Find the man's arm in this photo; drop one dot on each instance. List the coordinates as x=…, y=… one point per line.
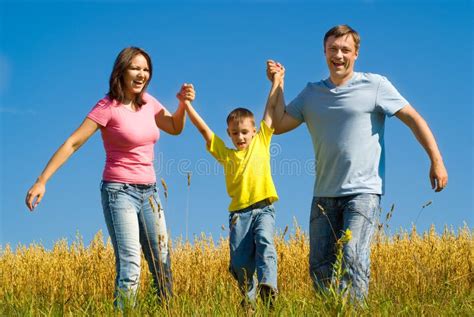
x=282, y=121
x=422, y=132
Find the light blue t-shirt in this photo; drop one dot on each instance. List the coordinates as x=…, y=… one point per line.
x=346, y=124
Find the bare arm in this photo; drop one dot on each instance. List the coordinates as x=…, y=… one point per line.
x=174, y=123
x=199, y=123
x=422, y=132
x=275, y=91
x=72, y=144
x=282, y=121
x=171, y=123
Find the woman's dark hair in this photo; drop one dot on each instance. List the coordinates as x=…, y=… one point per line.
x=122, y=62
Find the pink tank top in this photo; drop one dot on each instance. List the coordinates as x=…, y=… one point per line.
x=129, y=139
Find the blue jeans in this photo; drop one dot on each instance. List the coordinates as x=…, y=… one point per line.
x=357, y=213
x=134, y=218
x=251, y=247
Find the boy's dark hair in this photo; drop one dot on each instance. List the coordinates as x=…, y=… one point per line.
x=122, y=62
x=342, y=30
x=239, y=114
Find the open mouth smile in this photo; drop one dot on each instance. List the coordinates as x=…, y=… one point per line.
x=338, y=64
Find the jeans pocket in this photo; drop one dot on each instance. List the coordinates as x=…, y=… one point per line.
x=112, y=190
x=367, y=205
x=233, y=218
x=270, y=209
x=317, y=208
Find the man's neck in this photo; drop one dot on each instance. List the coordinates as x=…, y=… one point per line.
x=338, y=81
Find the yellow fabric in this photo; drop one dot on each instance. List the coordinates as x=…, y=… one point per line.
x=248, y=174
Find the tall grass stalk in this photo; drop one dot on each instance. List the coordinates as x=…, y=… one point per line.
x=413, y=274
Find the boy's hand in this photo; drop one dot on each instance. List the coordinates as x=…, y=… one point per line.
x=186, y=93
x=280, y=73
x=275, y=70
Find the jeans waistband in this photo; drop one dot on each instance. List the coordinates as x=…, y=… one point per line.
x=137, y=186
x=258, y=205
x=142, y=186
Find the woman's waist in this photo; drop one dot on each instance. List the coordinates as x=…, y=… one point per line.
x=129, y=173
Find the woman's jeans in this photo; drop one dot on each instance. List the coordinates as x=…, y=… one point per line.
x=330, y=217
x=252, y=248
x=134, y=218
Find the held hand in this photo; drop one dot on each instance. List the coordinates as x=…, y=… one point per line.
x=270, y=65
x=438, y=176
x=35, y=195
x=279, y=74
x=186, y=93
x=275, y=68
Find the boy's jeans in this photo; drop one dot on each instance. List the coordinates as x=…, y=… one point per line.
x=252, y=247
x=329, y=218
x=134, y=217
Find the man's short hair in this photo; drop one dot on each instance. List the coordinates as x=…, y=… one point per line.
x=239, y=114
x=342, y=30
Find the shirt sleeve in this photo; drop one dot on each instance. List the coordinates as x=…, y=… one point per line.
x=218, y=149
x=295, y=108
x=157, y=106
x=388, y=99
x=101, y=112
x=265, y=133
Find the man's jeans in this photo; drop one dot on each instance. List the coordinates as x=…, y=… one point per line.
x=134, y=217
x=251, y=247
x=329, y=218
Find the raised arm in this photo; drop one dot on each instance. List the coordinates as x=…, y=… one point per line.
x=188, y=96
x=173, y=123
x=422, y=132
x=282, y=121
x=73, y=143
x=275, y=92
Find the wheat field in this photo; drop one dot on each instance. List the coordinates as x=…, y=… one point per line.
x=413, y=274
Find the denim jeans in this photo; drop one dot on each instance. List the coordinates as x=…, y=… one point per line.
x=252, y=248
x=134, y=218
x=329, y=218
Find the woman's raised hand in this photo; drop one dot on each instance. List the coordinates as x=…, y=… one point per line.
x=186, y=93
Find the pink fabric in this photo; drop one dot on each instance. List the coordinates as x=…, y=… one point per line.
x=129, y=139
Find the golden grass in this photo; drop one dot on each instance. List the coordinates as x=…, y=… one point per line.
x=406, y=268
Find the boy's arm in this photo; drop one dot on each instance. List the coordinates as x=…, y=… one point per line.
x=274, y=96
x=199, y=122
x=283, y=122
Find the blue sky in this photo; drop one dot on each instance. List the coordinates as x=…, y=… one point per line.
x=56, y=58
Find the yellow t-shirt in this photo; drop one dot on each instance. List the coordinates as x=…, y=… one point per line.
x=248, y=175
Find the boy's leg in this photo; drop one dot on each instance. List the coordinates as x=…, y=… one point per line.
x=119, y=203
x=265, y=253
x=360, y=212
x=324, y=229
x=242, y=252
x=154, y=241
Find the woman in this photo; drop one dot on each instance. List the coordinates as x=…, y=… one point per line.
x=130, y=121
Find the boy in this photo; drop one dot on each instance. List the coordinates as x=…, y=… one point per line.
x=250, y=186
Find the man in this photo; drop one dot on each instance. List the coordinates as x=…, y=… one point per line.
x=345, y=116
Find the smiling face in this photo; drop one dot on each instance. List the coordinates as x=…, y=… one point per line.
x=241, y=132
x=341, y=54
x=136, y=76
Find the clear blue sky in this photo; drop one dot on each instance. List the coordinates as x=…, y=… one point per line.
x=56, y=58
